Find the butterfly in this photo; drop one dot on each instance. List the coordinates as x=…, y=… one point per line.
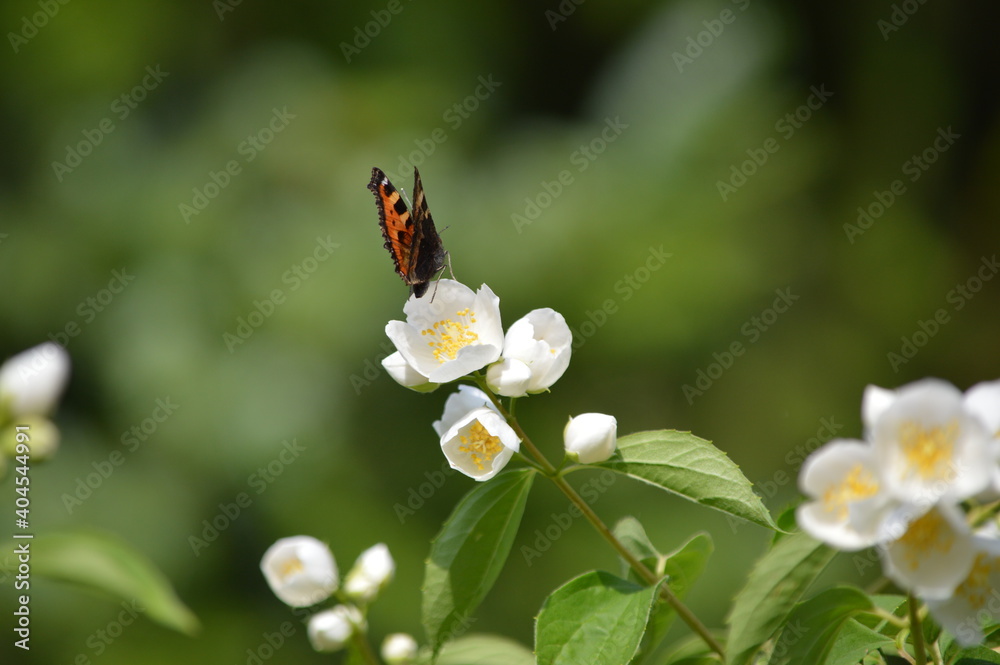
x=412, y=240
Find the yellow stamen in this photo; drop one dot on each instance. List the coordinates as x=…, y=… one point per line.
x=290, y=567
x=451, y=335
x=977, y=585
x=480, y=445
x=929, y=451
x=857, y=484
x=924, y=534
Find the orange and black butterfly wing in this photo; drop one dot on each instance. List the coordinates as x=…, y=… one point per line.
x=402, y=235
x=430, y=255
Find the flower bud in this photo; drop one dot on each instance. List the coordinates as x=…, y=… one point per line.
x=32, y=381
x=399, y=649
x=331, y=629
x=371, y=572
x=300, y=570
x=591, y=437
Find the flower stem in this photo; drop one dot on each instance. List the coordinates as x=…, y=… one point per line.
x=360, y=640
x=916, y=630
x=686, y=615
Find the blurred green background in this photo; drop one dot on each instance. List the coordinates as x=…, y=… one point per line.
x=495, y=101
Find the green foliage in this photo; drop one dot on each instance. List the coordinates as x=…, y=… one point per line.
x=595, y=618
x=468, y=553
x=691, y=467
x=104, y=564
x=775, y=584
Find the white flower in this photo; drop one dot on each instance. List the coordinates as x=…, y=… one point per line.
x=849, y=504
x=474, y=437
x=300, y=570
x=371, y=572
x=32, y=381
x=458, y=333
x=540, y=343
x=331, y=629
x=927, y=444
x=398, y=649
x=973, y=604
x=933, y=555
x=404, y=374
x=591, y=437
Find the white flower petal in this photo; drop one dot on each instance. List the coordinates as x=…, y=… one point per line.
x=458, y=405
x=592, y=437
x=300, y=570
x=509, y=377
x=404, y=374
x=371, y=572
x=874, y=403
x=541, y=340
x=32, y=381
x=983, y=400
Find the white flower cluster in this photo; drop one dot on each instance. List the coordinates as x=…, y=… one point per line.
x=458, y=332
x=302, y=572
x=929, y=459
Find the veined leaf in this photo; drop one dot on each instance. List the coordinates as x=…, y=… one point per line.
x=469, y=552
x=693, y=468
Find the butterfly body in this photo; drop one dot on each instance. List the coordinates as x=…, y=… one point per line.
x=412, y=240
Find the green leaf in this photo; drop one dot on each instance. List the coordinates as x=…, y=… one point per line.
x=632, y=535
x=690, y=467
x=978, y=656
x=469, y=552
x=813, y=627
x=690, y=651
x=485, y=650
x=596, y=619
x=855, y=642
x=776, y=583
x=101, y=563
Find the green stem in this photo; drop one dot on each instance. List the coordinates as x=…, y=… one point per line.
x=916, y=630
x=686, y=615
x=360, y=640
